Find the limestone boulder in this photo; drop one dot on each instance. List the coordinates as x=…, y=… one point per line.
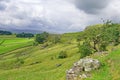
x=81, y=67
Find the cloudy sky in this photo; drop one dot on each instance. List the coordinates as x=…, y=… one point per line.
x=56, y=15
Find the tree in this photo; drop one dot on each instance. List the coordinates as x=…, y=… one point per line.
x=100, y=36
x=41, y=38
x=93, y=34
x=25, y=35
x=111, y=32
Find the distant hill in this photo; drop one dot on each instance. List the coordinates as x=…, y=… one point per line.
x=15, y=30
x=2, y=32
x=26, y=31
x=21, y=30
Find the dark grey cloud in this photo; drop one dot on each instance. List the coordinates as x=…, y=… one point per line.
x=92, y=6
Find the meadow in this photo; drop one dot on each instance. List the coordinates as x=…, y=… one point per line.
x=20, y=60
x=38, y=63
x=9, y=43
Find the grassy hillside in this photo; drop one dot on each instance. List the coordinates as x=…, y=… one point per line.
x=21, y=61
x=9, y=43
x=110, y=69
x=38, y=63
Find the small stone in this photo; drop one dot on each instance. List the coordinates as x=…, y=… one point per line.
x=70, y=71
x=83, y=76
x=58, y=65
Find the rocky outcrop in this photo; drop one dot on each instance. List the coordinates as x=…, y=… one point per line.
x=82, y=68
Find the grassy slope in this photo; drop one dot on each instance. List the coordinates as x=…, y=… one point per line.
x=46, y=68
x=11, y=43
x=110, y=69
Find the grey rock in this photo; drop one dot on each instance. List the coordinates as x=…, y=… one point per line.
x=83, y=76
x=81, y=67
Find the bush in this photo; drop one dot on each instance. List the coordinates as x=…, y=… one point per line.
x=103, y=46
x=56, y=39
x=44, y=45
x=85, y=49
x=20, y=61
x=62, y=55
x=35, y=43
x=41, y=38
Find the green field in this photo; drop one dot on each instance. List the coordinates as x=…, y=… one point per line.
x=9, y=43
x=19, y=60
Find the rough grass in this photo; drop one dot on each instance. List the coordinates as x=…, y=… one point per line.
x=45, y=69
x=41, y=63
x=110, y=69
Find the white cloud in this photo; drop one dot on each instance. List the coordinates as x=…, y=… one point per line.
x=55, y=15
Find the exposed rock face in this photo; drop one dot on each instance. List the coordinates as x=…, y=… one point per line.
x=82, y=68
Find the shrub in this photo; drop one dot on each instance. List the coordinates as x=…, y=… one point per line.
x=20, y=61
x=44, y=45
x=52, y=58
x=56, y=39
x=85, y=49
x=103, y=46
x=62, y=55
x=35, y=43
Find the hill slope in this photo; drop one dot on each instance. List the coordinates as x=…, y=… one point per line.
x=38, y=63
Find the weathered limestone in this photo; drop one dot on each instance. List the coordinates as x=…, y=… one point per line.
x=81, y=68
